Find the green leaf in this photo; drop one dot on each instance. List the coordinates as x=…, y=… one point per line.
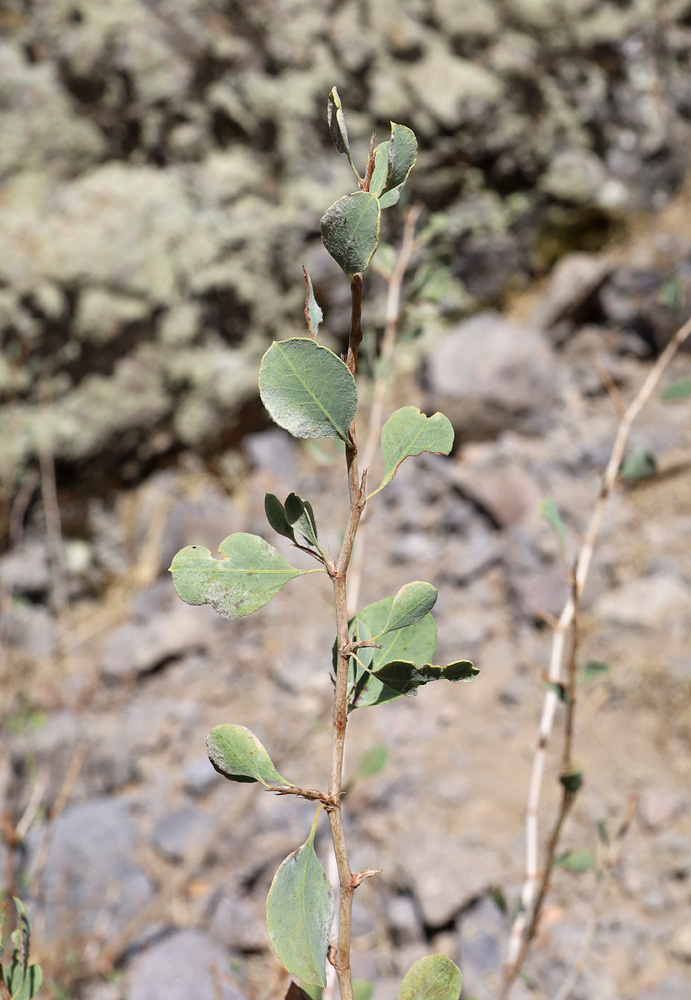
x=435, y=977
x=337, y=127
x=405, y=677
x=594, y=669
x=672, y=295
x=550, y=511
x=416, y=643
x=412, y=602
x=299, y=913
x=577, y=861
x=680, y=389
x=641, y=464
x=300, y=515
x=350, y=230
x=571, y=781
x=313, y=311
x=561, y=690
x=276, y=516
x=409, y=432
x=393, y=161
x=237, y=754
x=372, y=762
x=22, y=980
x=307, y=389
x=246, y=579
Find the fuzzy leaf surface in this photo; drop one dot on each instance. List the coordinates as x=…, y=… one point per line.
x=276, y=516
x=313, y=311
x=412, y=602
x=415, y=643
x=299, y=913
x=300, y=516
x=238, y=755
x=350, y=230
x=337, y=127
x=307, y=389
x=406, y=677
x=249, y=575
x=393, y=161
x=434, y=977
x=409, y=432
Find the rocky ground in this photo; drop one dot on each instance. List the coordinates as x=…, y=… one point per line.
x=164, y=169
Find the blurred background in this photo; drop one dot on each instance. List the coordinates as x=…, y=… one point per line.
x=164, y=165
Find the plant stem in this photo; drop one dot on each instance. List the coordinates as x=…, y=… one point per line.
x=356, y=490
x=531, y=896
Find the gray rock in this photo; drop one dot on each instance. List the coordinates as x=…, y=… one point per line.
x=239, y=923
x=274, y=452
x=573, y=284
x=489, y=375
x=91, y=880
x=648, y=602
x=482, y=946
x=186, y=964
x=660, y=806
x=26, y=570
x=138, y=648
x=199, y=776
x=403, y=920
x=180, y=831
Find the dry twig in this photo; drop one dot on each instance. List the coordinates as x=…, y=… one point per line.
x=531, y=898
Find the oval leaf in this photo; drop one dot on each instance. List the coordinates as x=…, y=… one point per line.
x=435, y=977
x=237, y=754
x=350, y=230
x=300, y=515
x=412, y=602
x=299, y=913
x=307, y=389
x=409, y=432
x=392, y=164
x=246, y=579
x=415, y=643
x=276, y=516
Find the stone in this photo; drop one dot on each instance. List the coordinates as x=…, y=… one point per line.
x=26, y=569
x=681, y=943
x=239, y=923
x=576, y=176
x=648, y=602
x=482, y=936
x=183, y=965
x=199, y=776
x=572, y=287
x=502, y=489
x=403, y=920
x=658, y=807
x=91, y=878
x=138, y=648
x=489, y=375
x=101, y=315
x=178, y=832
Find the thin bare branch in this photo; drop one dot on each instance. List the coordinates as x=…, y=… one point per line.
x=530, y=890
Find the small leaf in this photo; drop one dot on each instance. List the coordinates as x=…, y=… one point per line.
x=571, y=781
x=672, y=295
x=594, y=669
x=550, y=511
x=337, y=127
x=237, y=754
x=276, y=516
x=680, y=389
x=393, y=161
x=577, y=861
x=300, y=515
x=307, y=389
x=641, y=464
x=372, y=762
x=249, y=575
x=435, y=977
x=409, y=432
x=412, y=602
x=405, y=677
x=299, y=913
x=350, y=230
x=313, y=311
